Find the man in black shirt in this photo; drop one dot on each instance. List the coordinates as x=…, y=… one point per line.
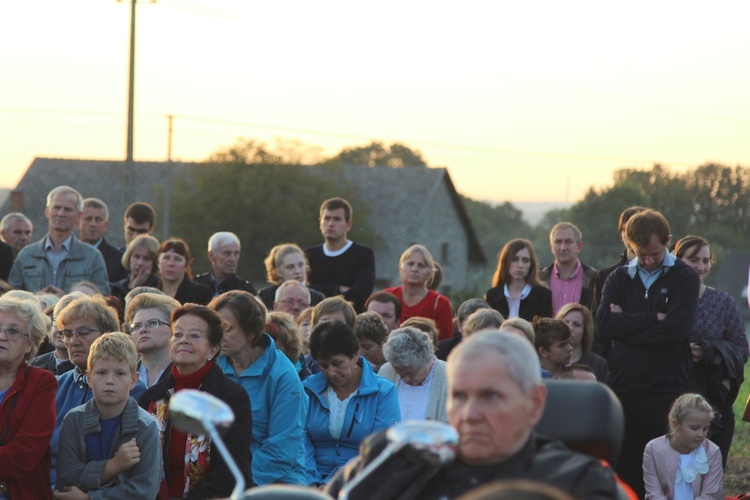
x=340, y=266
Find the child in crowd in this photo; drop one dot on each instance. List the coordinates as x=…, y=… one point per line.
x=102, y=441
x=552, y=341
x=684, y=464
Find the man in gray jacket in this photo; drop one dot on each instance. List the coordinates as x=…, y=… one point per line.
x=59, y=260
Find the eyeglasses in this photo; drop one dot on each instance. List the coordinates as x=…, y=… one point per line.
x=12, y=333
x=290, y=302
x=82, y=333
x=151, y=324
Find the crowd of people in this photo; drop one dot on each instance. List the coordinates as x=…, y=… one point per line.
x=316, y=366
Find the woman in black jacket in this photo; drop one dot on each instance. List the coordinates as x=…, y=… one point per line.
x=176, y=275
x=516, y=289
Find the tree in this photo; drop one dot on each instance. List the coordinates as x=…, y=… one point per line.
x=256, y=152
x=263, y=204
x=496, y=225
x=712, y=201
x=376, y=153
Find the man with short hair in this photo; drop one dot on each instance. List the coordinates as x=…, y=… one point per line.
x=292, y=297
x=15, y=230
x=626, y=256
x=224, y=254
x=6, y=260
x=569, y=279
x=495, y=398
x=140, y=218
x=466, y=309
x=59, y=260
x=387, y=305
x=333, y=309
x=340, y=266
x=646, y=313
x=92, y=226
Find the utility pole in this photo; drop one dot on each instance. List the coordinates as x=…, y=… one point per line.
x=128, y=171
x=168, y=178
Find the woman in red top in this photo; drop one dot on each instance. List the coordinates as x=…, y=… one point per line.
x=27, y=403
x=417, y=268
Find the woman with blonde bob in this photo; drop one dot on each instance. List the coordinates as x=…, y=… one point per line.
x=286, y=262
x=516, y=289
x=581, y=323
x=417, y=268
x=152, y=332
x=27, y=403
x=140, y=260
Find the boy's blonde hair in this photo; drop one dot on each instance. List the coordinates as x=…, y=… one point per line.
x=684, y=405
x=116, y=346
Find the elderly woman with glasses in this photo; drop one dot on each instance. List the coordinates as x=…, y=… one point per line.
x=420, y=378
x=192, y=467
x=151, y=333
x=27, y=411
x=80, y=323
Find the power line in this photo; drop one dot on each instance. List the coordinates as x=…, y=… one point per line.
x=358, y=137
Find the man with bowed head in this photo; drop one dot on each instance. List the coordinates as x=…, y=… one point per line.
x=646, y=313
x=495, y=398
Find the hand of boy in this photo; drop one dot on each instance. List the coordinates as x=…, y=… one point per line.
x=70, y=493
x=127, y=456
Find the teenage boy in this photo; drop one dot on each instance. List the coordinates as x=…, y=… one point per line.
x=101, y=442
x=552, y=342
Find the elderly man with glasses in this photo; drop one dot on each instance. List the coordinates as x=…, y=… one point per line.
x=292, y=297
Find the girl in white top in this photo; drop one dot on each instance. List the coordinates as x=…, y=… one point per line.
x=684, y=464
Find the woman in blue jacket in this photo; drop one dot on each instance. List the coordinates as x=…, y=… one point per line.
x=348, y=401
x=278, y=402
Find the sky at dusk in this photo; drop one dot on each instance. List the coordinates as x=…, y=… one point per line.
x=522, y=101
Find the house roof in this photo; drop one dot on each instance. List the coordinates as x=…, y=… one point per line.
x=398, y=198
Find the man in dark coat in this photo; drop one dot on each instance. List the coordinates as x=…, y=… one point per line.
x=495, y=398
x=92, y=226
x=224, y=254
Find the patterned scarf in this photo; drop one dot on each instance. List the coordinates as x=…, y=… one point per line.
x=197, y=449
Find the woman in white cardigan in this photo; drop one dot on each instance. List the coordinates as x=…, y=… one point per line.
x=418, y=375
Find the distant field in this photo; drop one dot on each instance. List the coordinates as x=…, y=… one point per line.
x=737, y=475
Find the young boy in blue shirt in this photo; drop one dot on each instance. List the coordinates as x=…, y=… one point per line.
x=109, y=447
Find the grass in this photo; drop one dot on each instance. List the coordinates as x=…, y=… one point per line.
x=737, y=473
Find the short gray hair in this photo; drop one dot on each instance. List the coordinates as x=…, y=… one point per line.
x=482, y=319
x=35, y=321
x=520, y=360
x=66, y=190
x=407, y=347
x=222, y=238
x=5, y=223
x=289, y=283
x=97, y=204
